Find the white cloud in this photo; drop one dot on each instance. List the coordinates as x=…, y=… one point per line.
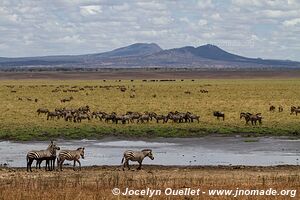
x=30, y=27
x=90, y=10
x=202, y=22
x=292, y=22
x=205, y=4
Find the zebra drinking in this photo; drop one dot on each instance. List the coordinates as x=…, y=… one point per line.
x=70, y=155
x=137, y=156
x=41, y=155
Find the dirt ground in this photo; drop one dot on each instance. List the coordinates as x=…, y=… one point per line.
x=98, y=182
x=152, y=74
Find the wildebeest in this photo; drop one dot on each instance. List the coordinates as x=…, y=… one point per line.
x=295, y=110
x=84, y=109
x=251, y=117
x=219, y=114
x=66, y=99
x=52, y=115
x=160, y=118
x=42, y=110
x=137, y=156
x=143, y=118
x=193, y=117
x=272, y=108
x=80, y=116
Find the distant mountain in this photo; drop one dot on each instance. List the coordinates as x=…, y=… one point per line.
x=150, y=55
x=138, y=49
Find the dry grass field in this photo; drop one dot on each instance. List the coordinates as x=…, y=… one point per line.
x=19, y=119
x=98, y=182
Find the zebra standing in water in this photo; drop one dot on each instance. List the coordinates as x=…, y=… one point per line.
x=137, y=156
x=41, y=155
x=70, y=155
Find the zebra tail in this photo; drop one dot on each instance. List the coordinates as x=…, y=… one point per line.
x=122, y=160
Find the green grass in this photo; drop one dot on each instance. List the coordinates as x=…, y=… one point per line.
x=19, y=120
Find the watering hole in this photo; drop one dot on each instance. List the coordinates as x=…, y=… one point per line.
x=209, y=150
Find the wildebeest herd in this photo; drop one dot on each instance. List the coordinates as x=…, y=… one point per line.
x=84, y=113
x=50, y=156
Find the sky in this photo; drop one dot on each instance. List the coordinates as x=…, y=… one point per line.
x=252, y=28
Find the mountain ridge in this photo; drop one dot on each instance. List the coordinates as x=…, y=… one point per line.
x=150, y=55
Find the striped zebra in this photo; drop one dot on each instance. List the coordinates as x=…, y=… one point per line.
x=70, y=155
x=41, y=155
x=137, y=156
x=50, y=161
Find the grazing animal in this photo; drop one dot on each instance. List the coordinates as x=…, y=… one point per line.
x=51, y=115
x=109, y=117
x=41, y=154
x=84, y=109
x=137, y=156
x=219, y=114
x=280, y=109
x=42, y=110
x=272, y=108
x=80, y=116
x=143, y=118
x=246, y=116
x=250, y=117
x=70, y=155
x=193, y=117
x=255, y=118
x=295, y=110
x=160, y=117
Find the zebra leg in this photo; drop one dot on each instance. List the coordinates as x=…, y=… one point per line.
x=74, y=165
x=61, y=161
x=140, y=166
x=29, y=164
x=47, y=165
x=36, y=164
x=127, y=163
x=124, y=164
x=79, y=165
x=53, y=163
x=40, y=162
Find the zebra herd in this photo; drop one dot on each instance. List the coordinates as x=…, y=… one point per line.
x=50, y=155
x=84, y=113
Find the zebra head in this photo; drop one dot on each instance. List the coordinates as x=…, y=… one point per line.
x=81, y=150
x=52, y=148
x=148, y=152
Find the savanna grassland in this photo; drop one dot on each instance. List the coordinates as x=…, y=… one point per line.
x=19, y=119
x=98, y=182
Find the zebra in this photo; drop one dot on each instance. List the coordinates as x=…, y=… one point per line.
x=50, y=161
x=70, y=155
x=41, y=155
x=137, y=156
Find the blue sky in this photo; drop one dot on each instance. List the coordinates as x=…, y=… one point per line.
x=253, y=28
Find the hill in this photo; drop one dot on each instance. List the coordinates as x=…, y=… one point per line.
x=150, y=55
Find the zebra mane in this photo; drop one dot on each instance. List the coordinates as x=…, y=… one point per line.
x=80, y=148
x=147, y=150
